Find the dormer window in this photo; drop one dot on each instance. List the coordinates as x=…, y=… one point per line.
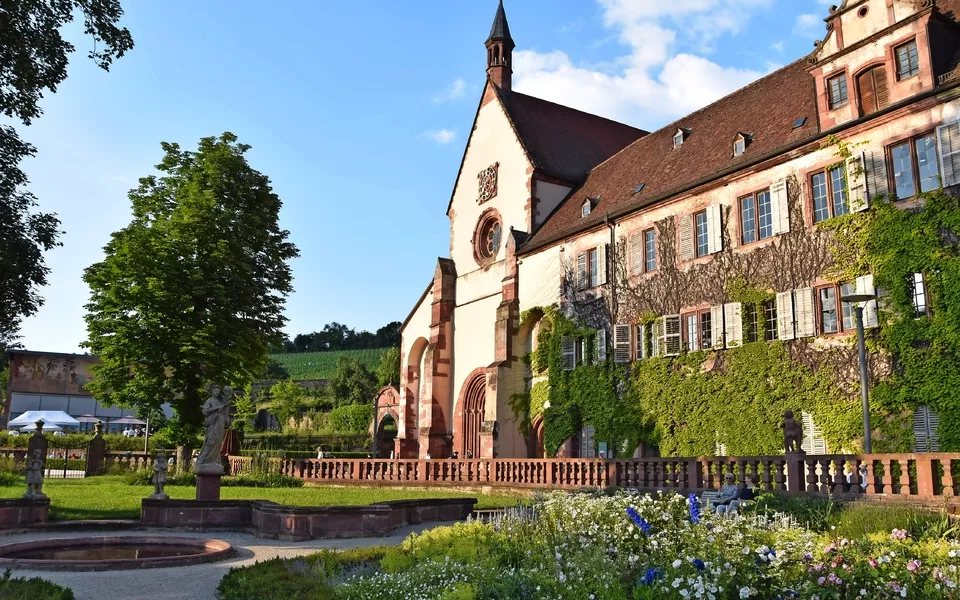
x=739, y=144
x=678, y=138
x=586, y=208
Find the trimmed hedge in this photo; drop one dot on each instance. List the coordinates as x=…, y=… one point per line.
x=31, y=589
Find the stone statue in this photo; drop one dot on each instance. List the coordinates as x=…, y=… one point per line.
x=216, y=417
x=792, y=434
x=35, y=476
x=159, y=477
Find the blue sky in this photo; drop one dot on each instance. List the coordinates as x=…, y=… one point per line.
x=358, y=112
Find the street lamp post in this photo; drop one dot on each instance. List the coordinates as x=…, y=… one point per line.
x=857, y=300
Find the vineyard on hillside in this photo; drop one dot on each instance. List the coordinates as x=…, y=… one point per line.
x=321, y=365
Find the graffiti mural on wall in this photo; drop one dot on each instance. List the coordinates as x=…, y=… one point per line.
x=50, y=374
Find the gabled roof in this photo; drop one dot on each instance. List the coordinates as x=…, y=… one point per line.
x=564, y=142
x=767, y=108
x=500, y=29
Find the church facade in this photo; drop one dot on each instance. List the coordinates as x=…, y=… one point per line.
x=554, y=206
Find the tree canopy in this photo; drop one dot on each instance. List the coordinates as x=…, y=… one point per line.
x=337, y=336
x=191, y=292
x=33, y=60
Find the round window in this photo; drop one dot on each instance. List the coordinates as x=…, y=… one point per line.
x=488, y=237
x=863, y=11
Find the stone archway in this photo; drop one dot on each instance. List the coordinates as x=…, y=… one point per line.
x=386, y=434
x=470, y=411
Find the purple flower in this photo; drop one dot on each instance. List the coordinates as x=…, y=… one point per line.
x=913, y=565
x=872, y=563
x=694, y=509
x=638, y=520
x=652, y=576
x=698, y=564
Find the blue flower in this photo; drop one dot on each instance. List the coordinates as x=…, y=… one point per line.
x=640, y=521
x=694, y=508
x=652, y=576
x=698, y=564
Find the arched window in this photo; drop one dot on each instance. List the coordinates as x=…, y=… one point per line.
x=873, y=90
x=496, y=55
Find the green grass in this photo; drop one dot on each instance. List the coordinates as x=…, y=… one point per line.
x=322, y=365
x=110, y=497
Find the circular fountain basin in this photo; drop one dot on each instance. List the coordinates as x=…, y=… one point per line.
x=112, y=553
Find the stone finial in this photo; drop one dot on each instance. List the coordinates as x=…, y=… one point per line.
x=98, y=429
x=39, y=426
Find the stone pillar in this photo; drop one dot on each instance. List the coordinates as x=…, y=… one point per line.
x=796, y=473
x=38, y=442
x=96, y=452
x=208, y=482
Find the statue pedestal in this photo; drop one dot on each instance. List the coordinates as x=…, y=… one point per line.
x=796, y=472
x=208, y=481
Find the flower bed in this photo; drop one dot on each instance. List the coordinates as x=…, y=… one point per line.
x=627, y=546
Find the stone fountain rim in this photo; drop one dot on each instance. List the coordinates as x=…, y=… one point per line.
x=213, y=550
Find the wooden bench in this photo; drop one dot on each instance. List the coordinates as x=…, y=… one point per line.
x=707, y=499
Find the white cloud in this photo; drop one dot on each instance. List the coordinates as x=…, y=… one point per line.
x=778, y=46
x=652, y=82
x=457, y=89
x=441, y=136
x=809, y=24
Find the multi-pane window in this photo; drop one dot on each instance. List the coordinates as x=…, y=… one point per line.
x=833, y=315
x=697, y=331
x=739, y=146
x=770, y=315
x=919, y=294
x=908, y=62
x=915, y=161
x=593, y=270
x=750, y=316
x=649, y=250
x=756, y=217
x=837, y=91
x=678, y=139
x=849, y=317
x=703, y=233
x=829, y=194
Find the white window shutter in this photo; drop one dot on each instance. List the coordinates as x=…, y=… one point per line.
x=780, y=207
x=813, y=442
x=864, y=285
x=785, y=316
x=636, y=254
x=805, y=309
x=857, y=184
x=671, y=335
x=582, y=282
x=733, y=324
x=948, y=138
x=568, y=353
x=714, y=229
x=601, y=344
x=716, y=326
x=657, y=341
x=602, y=264
x=642, y=335
x=621, y=344
x=686, y=237
x=875, y=165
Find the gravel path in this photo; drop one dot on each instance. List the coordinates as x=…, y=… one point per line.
x=197, y=582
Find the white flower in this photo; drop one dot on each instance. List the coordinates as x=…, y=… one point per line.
x=744, y=592
x=677, y=582
x=863, y=592
x=677, y=563
x=746, y=550
x=684, y=593
x=903, y=592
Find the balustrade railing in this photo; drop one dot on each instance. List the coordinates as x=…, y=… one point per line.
x=915, y=475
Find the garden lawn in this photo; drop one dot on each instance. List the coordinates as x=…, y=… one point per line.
x=110, y=497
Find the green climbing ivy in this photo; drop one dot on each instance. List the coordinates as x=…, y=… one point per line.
x=893, y=244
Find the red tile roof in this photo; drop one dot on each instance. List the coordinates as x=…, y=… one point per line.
x=765, y=110
x=564, y=142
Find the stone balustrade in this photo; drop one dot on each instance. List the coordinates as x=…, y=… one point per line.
x=922, y=476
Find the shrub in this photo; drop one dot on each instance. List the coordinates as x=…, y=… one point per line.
x=351, y=418
x=8, y=479
x=267, y=480
x=295, y=579
x=145, y=476
x=31, y=589
x=859, y=519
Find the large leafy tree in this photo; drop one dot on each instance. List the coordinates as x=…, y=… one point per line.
x=33, y=60
x=352, y=383
x=191, y=292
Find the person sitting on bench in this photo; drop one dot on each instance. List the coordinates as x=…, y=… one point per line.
x=729, y=492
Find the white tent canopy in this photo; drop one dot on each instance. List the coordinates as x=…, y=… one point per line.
x=46, y=427
x=49, y=417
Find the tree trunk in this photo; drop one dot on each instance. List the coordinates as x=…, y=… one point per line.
x=183, y=459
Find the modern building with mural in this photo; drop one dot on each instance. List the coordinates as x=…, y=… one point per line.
x=556, y=207
x=53, y=381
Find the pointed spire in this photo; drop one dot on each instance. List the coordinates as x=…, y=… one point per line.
x=500, y=30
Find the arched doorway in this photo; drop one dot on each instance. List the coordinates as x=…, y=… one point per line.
x=535, y=439
x=386, y=434
x=474, y=403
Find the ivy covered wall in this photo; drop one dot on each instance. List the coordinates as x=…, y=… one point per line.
x=688, y=404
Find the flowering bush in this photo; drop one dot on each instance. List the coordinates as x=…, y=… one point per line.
x=635, y=547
